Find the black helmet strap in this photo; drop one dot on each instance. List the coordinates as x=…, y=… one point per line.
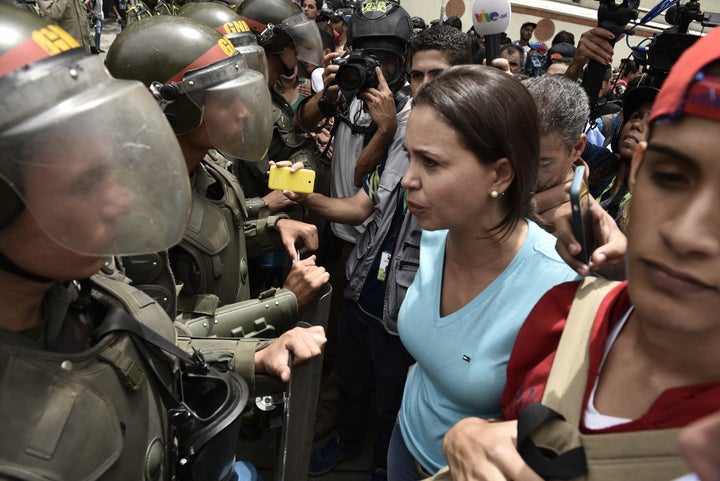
x=9, y=266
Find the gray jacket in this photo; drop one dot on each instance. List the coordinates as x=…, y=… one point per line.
x=406, y=251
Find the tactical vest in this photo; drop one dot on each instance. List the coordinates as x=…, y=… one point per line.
x=286, y=144
x=92, y=415
x=212, y=257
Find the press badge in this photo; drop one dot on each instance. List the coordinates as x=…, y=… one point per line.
x=384, y=262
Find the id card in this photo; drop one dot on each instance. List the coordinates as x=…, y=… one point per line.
x=384, y=262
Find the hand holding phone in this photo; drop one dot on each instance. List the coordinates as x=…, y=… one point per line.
x=283, y=178
x=582, y=222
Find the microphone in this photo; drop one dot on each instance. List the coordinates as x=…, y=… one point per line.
x=490, y=19
x=612, y=17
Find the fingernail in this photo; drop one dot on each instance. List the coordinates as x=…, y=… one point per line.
x=612, y=35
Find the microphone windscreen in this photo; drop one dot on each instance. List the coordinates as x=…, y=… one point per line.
x=490, y=17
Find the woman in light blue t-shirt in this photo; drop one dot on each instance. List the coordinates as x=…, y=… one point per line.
x=483, y=265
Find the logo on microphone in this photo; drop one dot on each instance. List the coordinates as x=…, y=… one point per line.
x=485, y=17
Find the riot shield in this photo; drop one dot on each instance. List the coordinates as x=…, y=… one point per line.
x=301, y=399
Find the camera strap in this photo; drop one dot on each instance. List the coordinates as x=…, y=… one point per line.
x=401, y=97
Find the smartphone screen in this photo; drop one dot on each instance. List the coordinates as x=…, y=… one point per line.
x=581, y=217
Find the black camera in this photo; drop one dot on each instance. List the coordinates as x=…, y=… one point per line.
x=356, y=72
x=667, y=46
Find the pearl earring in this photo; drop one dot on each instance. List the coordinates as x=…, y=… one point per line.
x=494, y=194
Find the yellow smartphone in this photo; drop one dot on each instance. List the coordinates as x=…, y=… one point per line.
x=281, y=178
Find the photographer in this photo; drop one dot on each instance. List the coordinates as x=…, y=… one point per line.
x=368, y=97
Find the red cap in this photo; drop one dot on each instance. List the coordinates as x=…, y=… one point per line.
x=687, y=89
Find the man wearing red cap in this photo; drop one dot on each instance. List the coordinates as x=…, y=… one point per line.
x=610, y=402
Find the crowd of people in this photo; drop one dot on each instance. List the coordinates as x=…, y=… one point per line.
x=151, y=276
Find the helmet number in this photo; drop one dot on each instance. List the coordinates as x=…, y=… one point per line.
x=227, y=46
x=54, y=40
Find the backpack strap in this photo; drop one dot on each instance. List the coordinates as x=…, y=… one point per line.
x=558, y=416
x=566, y=384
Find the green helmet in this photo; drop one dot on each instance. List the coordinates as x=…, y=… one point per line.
x=197, y=77
x=279, y=23
x=89, y=188
x=226, y=21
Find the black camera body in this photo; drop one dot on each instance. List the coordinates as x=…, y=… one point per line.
x=663, y=52
x=667, y=46
x=356, y=72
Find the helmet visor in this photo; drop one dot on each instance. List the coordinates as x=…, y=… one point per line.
x=96, y=186
x=306, y=37
x=236, y=107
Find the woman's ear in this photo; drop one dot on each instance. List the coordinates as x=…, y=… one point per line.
x=504, y=175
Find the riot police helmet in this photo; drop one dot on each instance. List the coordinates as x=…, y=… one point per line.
x=280, y=23
x=90, y=157
x=226, y=21
x=199, y=80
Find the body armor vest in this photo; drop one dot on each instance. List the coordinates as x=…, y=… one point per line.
x=212, y=257
x=91, y=415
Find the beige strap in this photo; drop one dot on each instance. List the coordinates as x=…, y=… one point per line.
x=442, y=475
x=566, y=384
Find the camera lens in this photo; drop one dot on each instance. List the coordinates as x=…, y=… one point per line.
x=350, y=78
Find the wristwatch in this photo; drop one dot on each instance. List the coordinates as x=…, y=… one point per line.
x=326, y=107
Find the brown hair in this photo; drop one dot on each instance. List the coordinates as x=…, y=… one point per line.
x=486, y=107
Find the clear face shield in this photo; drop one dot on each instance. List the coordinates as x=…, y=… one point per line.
x=306, y=37
x=96, y=186
x=236, y=107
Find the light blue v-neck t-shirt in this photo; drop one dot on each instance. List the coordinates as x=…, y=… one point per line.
x=461, y=358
